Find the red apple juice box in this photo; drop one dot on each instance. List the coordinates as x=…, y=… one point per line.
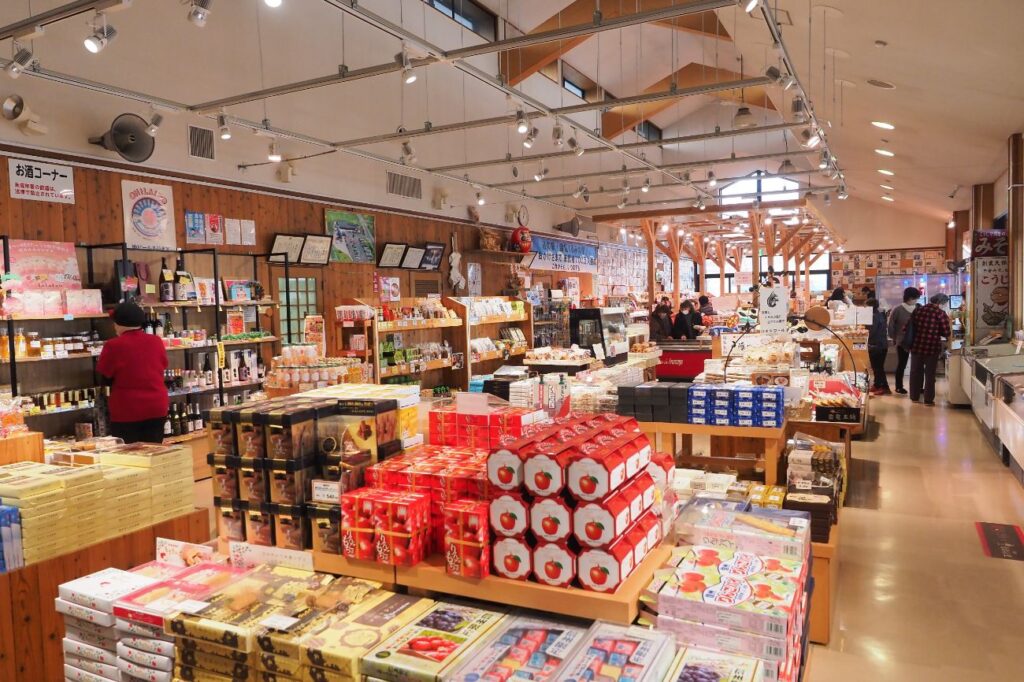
x=554, y=564
x=604, y=569
x=513, y=558
x=599, y=523
x=466, y=539
x=510, y=515
x=551, y=519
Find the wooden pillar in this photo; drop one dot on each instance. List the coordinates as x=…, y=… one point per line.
x=755, y=245
x=963, y=227
x=982, y=206
x=1015, y=227
x=647, y=228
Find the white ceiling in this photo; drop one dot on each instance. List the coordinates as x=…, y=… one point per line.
x=957, y=99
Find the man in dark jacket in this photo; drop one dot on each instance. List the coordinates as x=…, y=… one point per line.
x=899, y=322
x=878, y=348
x=705, y=306
x=931, y=325
x=682, y=327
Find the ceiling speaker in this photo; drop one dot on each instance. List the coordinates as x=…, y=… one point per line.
x=127, y=136
x=570, y=227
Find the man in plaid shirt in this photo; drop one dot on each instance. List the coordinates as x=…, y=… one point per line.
x=930, y=324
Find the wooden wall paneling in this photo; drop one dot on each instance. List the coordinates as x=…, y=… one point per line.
x=7, y=660
x=28, y=644
x=51, y=574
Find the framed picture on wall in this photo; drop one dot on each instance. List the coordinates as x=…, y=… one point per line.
x=391, y=256
x=434, y=254
x=316, y=250
x=413, y=258
x=290, y=244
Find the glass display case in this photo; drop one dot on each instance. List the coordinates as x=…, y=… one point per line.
x=551, y=322
x=604, y=327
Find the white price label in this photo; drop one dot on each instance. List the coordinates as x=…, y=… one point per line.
x=193, y=606
x=798, y=523
x=599, y=351
x=279, y=622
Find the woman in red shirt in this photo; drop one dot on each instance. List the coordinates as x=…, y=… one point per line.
x=135, y=362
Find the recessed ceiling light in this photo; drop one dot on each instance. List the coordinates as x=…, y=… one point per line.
x=888, y=187
x=883, y=125
x=888, y=198
x=884, y=152
x=885, y=172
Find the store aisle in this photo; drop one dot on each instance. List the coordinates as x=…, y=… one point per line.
x=918, y=600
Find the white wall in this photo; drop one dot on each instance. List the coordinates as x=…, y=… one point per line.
x=869, y=227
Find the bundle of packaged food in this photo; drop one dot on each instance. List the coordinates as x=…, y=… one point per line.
x=761, y=533
x=447, y=426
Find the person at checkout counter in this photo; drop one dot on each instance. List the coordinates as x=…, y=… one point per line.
x=683, y=327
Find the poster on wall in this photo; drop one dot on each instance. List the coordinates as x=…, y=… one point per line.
x=148, y=215
x=474, y=275
x=990, y=276
x=773, y=308
x=195, y=227
x=248, y=233
x=233, y=230
x=353, y=235
x=37, y=265
x=34, y=181
x=556, y=254
x=214, y=228
x=390, y=289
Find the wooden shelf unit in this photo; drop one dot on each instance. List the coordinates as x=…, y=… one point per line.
x=486, y=326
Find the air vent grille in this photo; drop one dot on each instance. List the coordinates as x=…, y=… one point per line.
x=405, y=186
x=200, y=143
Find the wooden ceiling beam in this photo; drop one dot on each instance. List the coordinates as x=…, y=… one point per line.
x=690, y=211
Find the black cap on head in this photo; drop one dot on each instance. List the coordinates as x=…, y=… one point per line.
x=129, y=315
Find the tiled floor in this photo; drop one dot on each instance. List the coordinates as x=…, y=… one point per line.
x=918, y=600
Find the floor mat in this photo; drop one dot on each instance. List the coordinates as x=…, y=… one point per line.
x=1001, y=540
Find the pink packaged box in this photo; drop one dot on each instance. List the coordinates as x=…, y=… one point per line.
x=106, y=670
x=716, y=561
x=34, y=304
x=82, y=301
x=146, y=659
x=83, y=612
x=691, y=633
x=93, y=653
x=78, y=675
x=101, y=589
x=787, y=538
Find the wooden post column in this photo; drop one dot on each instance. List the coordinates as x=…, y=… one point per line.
x=647, y=226
x=1015, y=228
x=756, y=223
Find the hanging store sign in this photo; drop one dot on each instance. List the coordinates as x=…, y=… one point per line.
x=555, y=254
x=34, y=181
x=773, y=308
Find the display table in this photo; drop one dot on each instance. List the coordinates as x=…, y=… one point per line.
x=825, y=571
x=726, y=442
x=31, y=630
x=197, y=442
x=22, y=447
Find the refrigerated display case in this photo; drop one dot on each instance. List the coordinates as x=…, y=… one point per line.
x=603, y=327
x=1009, y=419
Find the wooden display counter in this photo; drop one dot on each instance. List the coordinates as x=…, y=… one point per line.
x=622, y=606
x=31, y=630
x=726, y=442
x=825, y=571
x=22, y=447
x=367, y=570
x=198, y=444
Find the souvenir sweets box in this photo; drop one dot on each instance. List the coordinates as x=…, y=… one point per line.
x=334, y=651
x=427, y=649
x=617, y=653
x=100, y=590
x=150, y=606
x=325, y=527
x=522, y=647
x=466, y=539
x=698, y=665
x=714, y=562
x=512, y=558
x=233, y=614
x=721, y=638
x=385, y=526
x=777, y=537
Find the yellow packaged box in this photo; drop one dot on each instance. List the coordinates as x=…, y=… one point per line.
x=27, y=486
x=42, y=499
x=215, y=664
x=340, y=645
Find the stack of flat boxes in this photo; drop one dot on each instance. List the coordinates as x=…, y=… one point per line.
x=128, y=497
x=655, y=401
x=40, y=503
x=698, y=403
x=170, y=482
x=721, y=408
x=762, y=406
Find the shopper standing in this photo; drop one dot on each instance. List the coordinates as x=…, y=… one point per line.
x=899, y=325
x=931, y=325
x=135, y=362
x=705, y=306
x=682, y=327
x=878, y=348
x=661, y=324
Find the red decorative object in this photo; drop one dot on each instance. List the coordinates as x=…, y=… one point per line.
x=520, y=241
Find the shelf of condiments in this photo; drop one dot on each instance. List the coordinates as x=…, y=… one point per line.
x=32, y=346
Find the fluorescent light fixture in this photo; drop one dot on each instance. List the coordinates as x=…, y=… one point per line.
x=225, y=129
x=885, y=152
x=199, y=12
x=888, y=187
x=22, y=59
x=888, y=198
x=274, y=154
x=883, y=125
x=884, y=171
x=272, y=3
x=748, y=5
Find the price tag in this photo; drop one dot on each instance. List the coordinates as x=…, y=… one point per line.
x=599, y=351
x=69, y=317
x=62, y=354
x=279, y=622
x=803, y=485
x=193, y=606
x=798, y=523
x=348, y=324
x=220, y=355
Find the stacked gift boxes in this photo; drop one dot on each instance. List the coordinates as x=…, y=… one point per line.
x=572, y=504
x=449, y=427
x=620, y=653
x=655, y=401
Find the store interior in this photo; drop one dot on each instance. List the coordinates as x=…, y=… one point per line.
x=492, y=340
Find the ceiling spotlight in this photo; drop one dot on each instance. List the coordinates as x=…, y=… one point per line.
x=883, y=171
x=622, y=230
x=408, y=73
x=712, y=180
x=786, y=81
x=274, y=154
x=700, y=204
x=748, y=5
x=557, y=135
x=646, y=186
x=530, y=138
x=828, y=200
x=842, y=195
x=744, y=119
x=883, y=125
x=579, y=191
x=951, y=224
x=154, y=124
x=786, y=168
x=806, y=220
x=888, y=198
x=574, y=145
x=825, y=160
x=625, y=184
x=225, y=130
x=480, y=201
x=799, y=110
x=22, y=59
x=199, y=12
x=522, y=125
x=541, y=174
x=623, y=201
x=408, y=153
x=680, y=233
x=810, y=138
x=664, y=227
x=102, y=34
x=842, y=249
x=272, y=3
x=586, y=195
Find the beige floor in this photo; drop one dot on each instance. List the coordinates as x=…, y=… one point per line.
x=918, y=600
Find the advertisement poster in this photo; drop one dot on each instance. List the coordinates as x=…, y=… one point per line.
x=353, y=237
x=43, y=265
x=991, y=283
x=233, y=230
x=148, y=215
x=214, y=228
x=555, y=254
x=36, y=181
x=195, y=227
x=773, y=308
x=474, y=275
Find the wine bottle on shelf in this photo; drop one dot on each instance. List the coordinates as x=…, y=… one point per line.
x=175, y=420
x=184, y=285
x=186, y=420
x=158, y=328
x=166, y=282
x=261, y=368
x=168, y=429
x=208, y=370
x=198, y=417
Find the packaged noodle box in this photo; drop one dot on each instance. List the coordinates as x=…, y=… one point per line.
x=431, y=646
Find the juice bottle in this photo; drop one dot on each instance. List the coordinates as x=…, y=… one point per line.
x=20, y=343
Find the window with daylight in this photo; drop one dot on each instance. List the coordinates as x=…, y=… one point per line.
x=301, y=300
x=767, y=190
x=648, y=131
x=573, y=88
x=470, y=14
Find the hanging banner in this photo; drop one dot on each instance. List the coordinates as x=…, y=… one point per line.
x=148, y=215
x=773, y=308
x=555, y=254
x=36, y=181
